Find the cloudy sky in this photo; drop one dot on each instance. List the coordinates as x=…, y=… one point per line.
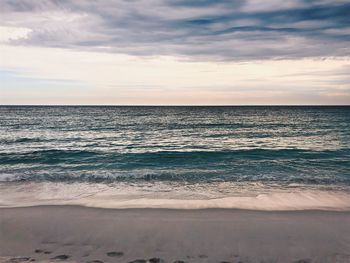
x=175, y=52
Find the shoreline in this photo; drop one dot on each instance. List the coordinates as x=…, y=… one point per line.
x=121, y=209
x=168, y=196
x=85, y=234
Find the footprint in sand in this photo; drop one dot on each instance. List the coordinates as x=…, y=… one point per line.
x=61, y=257
x=156, y=260
x=139, y=261
x=115, y=254
x=20, y=259
x=151, y=260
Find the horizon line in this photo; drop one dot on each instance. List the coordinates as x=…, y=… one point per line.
x=174, y=105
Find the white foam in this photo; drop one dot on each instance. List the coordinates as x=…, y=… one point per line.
x=163, y=195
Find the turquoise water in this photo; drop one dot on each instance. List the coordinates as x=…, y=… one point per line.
x=279, y=145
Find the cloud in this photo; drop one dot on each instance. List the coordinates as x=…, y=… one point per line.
x=8, y=34
x=201, y=29
x=36, y=75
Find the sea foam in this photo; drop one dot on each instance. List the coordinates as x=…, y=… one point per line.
x=163, y=195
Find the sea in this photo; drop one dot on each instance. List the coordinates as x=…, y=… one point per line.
x=183, y=157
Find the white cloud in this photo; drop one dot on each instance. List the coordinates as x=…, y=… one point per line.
x=8, y=34
x=124, y=79
x=258, y=5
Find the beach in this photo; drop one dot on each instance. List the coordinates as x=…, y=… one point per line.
x=82, y=234
x=173, y=131
x=155, y=184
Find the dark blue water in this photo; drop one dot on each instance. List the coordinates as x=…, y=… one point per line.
x=283, y=145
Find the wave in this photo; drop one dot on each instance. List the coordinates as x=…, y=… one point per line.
x=170, y=196
x=45, y=156
x=60, y=155
x=265, y=165
x=136, y=178
x=283, y=166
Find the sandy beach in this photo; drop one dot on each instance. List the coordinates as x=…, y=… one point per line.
x=80, y=234
x=174, y=131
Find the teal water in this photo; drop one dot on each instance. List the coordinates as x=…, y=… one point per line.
x=280, y=145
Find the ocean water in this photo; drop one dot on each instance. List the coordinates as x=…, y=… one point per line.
x=124, y=153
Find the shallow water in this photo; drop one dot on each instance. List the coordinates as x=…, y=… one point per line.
x=248, y=150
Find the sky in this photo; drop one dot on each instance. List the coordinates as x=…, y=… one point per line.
x=175, y=52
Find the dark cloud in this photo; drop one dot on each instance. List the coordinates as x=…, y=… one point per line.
x=205, y=29
x=204, y=3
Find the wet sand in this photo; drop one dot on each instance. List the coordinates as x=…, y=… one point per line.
x=80, y=234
